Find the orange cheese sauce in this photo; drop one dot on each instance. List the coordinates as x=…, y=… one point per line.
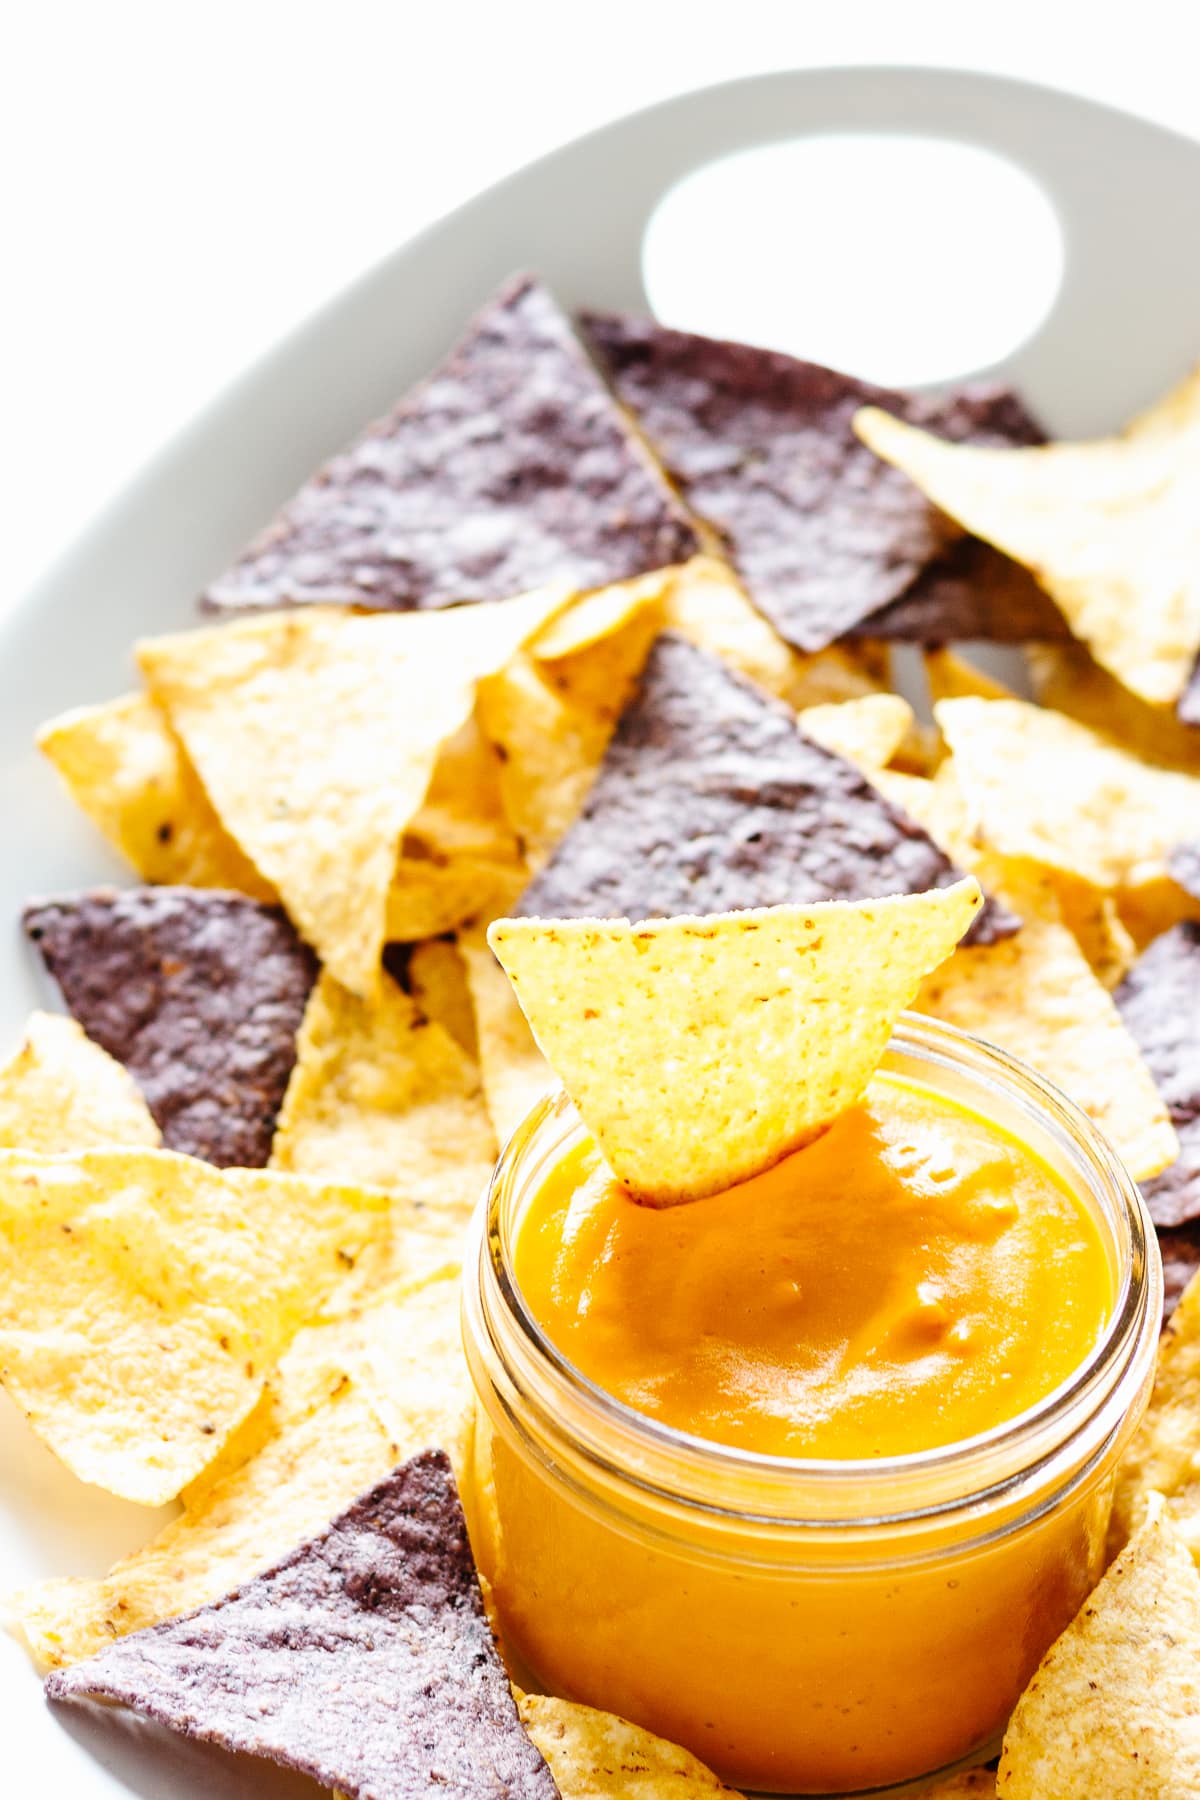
x=909, y=1280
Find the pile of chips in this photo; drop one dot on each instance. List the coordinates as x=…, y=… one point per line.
x=595, y=627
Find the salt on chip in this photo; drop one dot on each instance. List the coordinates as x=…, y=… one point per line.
x=382, y=1096
x=596, y=1756
x=130, y=774
x=348, y=1400
x=144, y=1298
x=1040, y=785
x=765, y=1025
x=1110, y=529
x=1114, y=1708
x=515, y=1074
x=316, y=734
x=60, y=1091
x=416, y=1697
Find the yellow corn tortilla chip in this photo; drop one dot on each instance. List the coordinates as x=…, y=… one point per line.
x=551, y=718
x=436, y=977
x=701, y=1051
x=427, y=899
x=1042, y=786
x=1068, y=680
x=707, y=605
x=596, y=616
x=1114, y=1708
x=1111, y=529
x=348, y=1401
x=1094, y=921
x=867, y=732
x=952, y=677
x=62, y=1092
x=382, y=1096
x=515, y=1074
x=145, y=1296
x=316, y=734
x=1164, y=1456
x=596, y=1756
x=130, y=774
x=462, y=813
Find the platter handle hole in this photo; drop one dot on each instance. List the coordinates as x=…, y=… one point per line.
x=906, y=260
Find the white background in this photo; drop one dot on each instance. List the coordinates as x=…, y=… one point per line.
x=185, y=182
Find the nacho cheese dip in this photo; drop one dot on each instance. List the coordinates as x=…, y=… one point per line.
x=808, y=1476
x=914, y=1277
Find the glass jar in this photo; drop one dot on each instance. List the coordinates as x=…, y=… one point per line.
x=803, y=1626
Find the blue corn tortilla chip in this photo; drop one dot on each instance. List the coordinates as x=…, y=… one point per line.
x=711, y=799
x=510, y=467
x=971, y=593
x=199, y=993
x=364, y=1659
x=762, y=448
x=1159, y=1000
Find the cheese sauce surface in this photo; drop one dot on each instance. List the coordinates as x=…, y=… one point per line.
x=914, y=1277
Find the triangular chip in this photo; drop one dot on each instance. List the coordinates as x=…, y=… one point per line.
x=199, y=993
x=764, y=1025
x=145, y=1296
x=1036, y=997
x=383, y=1096
x=348, y=1401
x=867, y=732
x=363, y=1660
x=1042, y=786
x=60, y=1091
x=596, y=1756
x=130, y=774
x=317, y=734
x=509, y=467
x=1110, y=529
x=711, y=798
x=1162, y=1458
x=971, y=592
x=1114, y=1709
x=763, y=451
x=1159, y=1000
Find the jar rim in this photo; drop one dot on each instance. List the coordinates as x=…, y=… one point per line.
x=1046, y=1428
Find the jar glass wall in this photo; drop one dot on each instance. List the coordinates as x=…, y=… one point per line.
x=803, y=1626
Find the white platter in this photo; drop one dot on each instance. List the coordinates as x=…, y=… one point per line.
x=1125, y=324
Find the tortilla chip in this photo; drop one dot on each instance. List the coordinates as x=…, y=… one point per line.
x=971, y=592
x=1040, y=785
x=384, y=1097
x=1162, y=1459
x=1066, y=678
x=62, y=1092
x=462, y=813
x=866, y=732
x=1159, y=1001
x=765, y=1025
x=198, y=993
x=145, y=1296
x=427, y=899
x=1108, y=528
x=1151, y=907
x=551, y=718
x=510, y=466
x=130, y=774
x=710, y=798
x=416, y=1697
x=762, y=449
x=436, y=977
x=952, y=677
x=1113, y=1707
x=707, y=605
x=596, y=1756
x=316, y=735
x=348, y=1401
x=515, y=1074
x=1036, y=997
x=1095, y=922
